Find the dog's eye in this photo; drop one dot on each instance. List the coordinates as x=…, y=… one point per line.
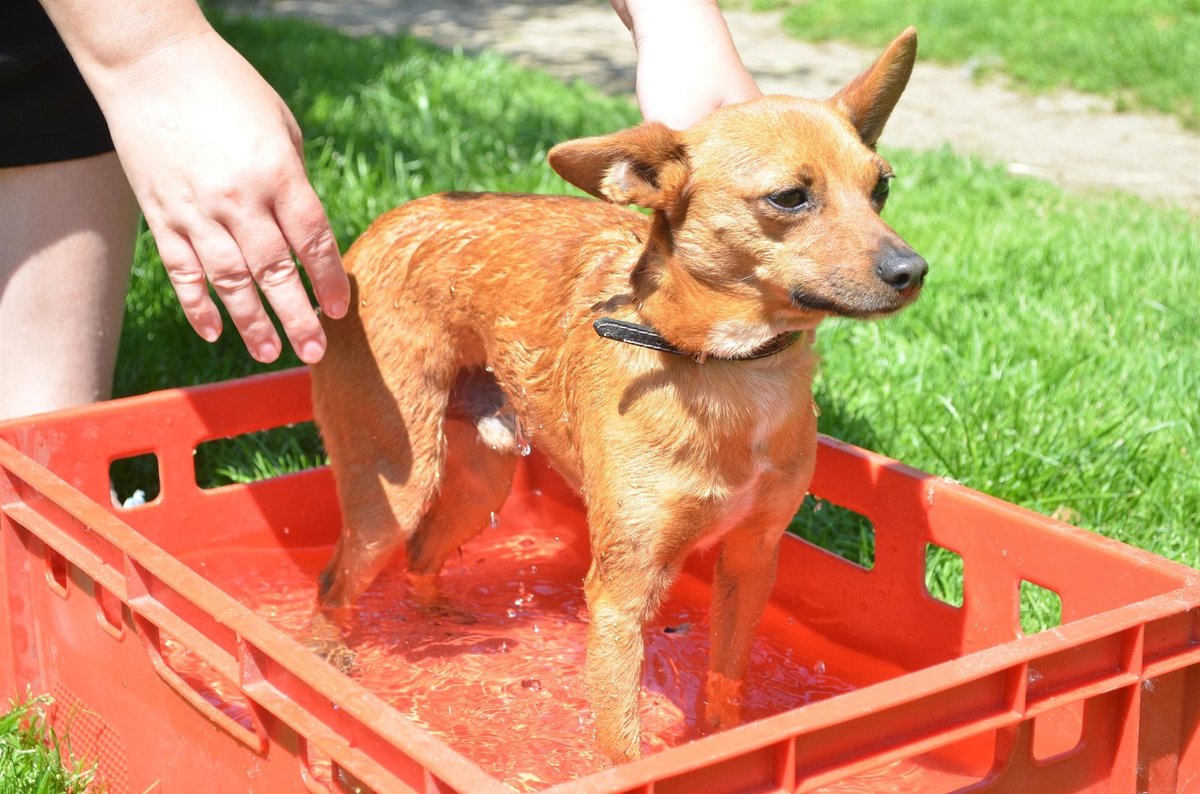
x=791, y=199
x=880, y=193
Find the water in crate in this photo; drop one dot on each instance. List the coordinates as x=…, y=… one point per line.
x=497, y=670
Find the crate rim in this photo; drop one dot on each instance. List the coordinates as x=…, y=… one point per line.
x=1010, y=657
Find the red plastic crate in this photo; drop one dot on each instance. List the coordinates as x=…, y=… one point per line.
x=1109, y=701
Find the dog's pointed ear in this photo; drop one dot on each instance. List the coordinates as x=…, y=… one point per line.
x=868, y=100
x=645, y=165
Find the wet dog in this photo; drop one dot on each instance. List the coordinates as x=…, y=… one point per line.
x=661, y=363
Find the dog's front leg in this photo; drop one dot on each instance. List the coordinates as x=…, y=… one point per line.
x=623, y=588
x=742, y=580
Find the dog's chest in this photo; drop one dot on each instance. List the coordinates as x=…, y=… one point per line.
x=757, y=468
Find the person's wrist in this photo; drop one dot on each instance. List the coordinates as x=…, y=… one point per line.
x=648, y=10
x=654, y=19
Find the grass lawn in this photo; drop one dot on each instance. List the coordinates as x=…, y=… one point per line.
x=1143, y=54
x=31, y=759
x=1053, y=360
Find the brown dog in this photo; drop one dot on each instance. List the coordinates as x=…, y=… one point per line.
x=472, y=334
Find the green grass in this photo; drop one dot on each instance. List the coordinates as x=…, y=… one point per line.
x=1053, y=361
x=32, y=759
x=1142, y=54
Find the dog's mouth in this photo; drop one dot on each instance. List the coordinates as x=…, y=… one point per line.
x=864, y=307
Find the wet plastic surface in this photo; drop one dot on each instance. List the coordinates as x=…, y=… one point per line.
x=167, y=633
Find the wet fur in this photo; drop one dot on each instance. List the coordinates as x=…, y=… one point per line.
x=470, y=336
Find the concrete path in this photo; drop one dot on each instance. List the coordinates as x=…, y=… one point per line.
x=1072, y=139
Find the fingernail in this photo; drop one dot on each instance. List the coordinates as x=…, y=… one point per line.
x=311, y=352
x=209, y=333
x=267, y=352
x=336, y=310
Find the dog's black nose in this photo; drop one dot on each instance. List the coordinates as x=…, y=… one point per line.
x=904, y=270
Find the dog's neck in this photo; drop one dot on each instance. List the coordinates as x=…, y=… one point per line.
x=695, y=317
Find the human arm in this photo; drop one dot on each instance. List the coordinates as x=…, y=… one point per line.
x=215, y=159
x=687, y=63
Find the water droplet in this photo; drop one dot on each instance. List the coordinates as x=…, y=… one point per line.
x=819, y=668
x=396, y=304
x=532, y=570
x=494, y=521
x=512, y=613
x=537, y=491
x=523, y=448
x=536, y=630
x=287, y=530
x=488, y=368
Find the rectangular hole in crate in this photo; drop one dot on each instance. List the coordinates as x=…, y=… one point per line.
x=944, y=574
x=1041, y=608
x=965, y=765
x=203, y=679
x=1058, y=732
x=134, y=480
x=110, y=612
x=57, y=571
x=835, y=529
x=320, y=773
x=259, y=456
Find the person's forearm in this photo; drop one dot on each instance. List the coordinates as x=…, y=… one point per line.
x=683, y=17
x=104, y=36
x=216, y=161
x=687, y=62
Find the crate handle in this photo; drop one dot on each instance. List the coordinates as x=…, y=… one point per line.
x=151, y=635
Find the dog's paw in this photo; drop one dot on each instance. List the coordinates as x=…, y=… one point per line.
x=442, y=609
x=426, y=594
x=340, y=657
x=722, y=704
x=334, y=651
x=326, y=639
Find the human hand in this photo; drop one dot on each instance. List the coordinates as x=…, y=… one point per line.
x=215, y=159
x=687, y=63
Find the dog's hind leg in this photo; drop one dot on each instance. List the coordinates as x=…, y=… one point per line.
x=386, y=457
x=480, y=457
x=474, y=486
x=386, y=482
x=381, y=415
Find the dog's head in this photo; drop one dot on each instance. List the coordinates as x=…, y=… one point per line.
x=776, y=199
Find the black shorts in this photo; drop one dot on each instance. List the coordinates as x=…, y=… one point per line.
x=47, y=113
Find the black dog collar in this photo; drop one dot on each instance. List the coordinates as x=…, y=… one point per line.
x=644, y=336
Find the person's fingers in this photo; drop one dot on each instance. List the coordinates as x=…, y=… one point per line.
x=304, y=225
x=189, y=281
x=270, y=262
x=231, y=279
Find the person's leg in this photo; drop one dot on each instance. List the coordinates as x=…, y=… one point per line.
x=67, y=233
